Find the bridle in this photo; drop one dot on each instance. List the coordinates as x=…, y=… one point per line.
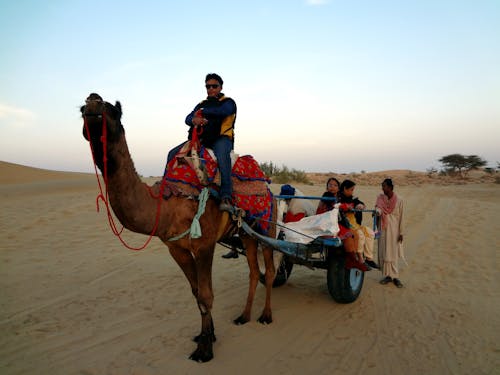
x=103, y=195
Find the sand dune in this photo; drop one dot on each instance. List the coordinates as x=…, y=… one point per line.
x=75, y=301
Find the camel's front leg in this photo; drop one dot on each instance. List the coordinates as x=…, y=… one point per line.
x=196, y=275
x=205, y=298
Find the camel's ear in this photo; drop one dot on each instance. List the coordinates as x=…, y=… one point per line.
x=118, y=107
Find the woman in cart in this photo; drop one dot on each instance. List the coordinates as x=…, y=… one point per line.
x=364, y=237
x=332, y=191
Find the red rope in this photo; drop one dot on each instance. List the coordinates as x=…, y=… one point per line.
x=195, y=141
x=104, y=196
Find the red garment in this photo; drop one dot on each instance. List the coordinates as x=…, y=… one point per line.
x=320, y=210
x=344, y=232
x=386, y=205
x=346, y=206
x=289, y=217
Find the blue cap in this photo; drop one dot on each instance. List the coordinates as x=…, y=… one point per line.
x=287, y=190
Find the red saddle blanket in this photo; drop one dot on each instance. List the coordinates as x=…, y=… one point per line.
x=250, y=185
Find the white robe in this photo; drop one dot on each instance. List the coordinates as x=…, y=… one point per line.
x=389, y=248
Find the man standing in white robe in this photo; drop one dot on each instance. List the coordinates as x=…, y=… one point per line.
x=389, y=207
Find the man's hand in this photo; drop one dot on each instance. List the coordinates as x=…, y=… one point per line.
x=199, y=121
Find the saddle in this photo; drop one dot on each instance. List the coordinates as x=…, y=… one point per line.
x=195, y=167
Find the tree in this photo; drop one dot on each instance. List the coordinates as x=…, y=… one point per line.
x=460, y=164
x=474, y=162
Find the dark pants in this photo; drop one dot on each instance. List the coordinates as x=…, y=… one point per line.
x=222, y=149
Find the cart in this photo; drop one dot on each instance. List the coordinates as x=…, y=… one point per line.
x=344, y=284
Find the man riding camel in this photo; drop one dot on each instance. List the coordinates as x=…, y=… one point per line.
x=214, y=118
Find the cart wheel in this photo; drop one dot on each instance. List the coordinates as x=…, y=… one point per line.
x=344, y=285
x=282, y=274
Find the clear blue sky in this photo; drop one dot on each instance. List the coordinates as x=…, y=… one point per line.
x=321, y=86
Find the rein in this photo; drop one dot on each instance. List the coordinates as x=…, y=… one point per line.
x=103, y=196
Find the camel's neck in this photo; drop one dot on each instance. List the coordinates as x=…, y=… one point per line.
x=129, y=197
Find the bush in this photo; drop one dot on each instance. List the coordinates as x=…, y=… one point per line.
x=431, y=171
x=284, y=174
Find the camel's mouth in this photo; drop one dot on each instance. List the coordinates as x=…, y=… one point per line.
x=86, y=113
x=94, y=106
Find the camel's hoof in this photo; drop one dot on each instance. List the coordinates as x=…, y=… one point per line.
x=212, y=337
x=240, y=320
x=265, y=319
x=201, y=356
x=203, y=352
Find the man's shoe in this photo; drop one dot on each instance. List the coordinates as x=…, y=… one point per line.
x=386, y=280
x=371, y=263
x=397, y=282
x=225, y=205
x=231, y=254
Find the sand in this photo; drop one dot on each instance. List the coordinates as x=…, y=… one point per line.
x=75, y=301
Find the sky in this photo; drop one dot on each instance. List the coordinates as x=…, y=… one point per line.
x=320, y=85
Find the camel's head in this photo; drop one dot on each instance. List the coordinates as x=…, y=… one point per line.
x=96, y=113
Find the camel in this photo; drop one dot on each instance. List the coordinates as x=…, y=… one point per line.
x=135, y=205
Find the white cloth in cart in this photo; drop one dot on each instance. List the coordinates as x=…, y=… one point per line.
x=310, y=227
x=298, y=205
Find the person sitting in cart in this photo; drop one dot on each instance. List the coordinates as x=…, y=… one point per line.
x=332, y=191
x=296, y=209
x=364, y=237
x=325, y=205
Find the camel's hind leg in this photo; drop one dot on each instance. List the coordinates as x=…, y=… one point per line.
x=267, y=316
x=251, y=254
x=199, y=274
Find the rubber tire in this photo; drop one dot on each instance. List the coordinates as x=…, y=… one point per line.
x=343, y=285
x=282, y=275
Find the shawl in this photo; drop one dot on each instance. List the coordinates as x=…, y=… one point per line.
x=386, y=205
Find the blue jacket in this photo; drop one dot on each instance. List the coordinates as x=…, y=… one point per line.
x=221, y=115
